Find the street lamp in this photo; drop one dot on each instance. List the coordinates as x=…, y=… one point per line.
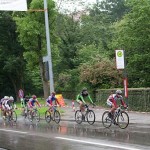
x=49, y=57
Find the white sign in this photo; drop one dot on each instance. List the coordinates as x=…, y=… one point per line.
x=120, y=59
x=13, y=5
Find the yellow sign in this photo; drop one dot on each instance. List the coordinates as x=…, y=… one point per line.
x=60, y=99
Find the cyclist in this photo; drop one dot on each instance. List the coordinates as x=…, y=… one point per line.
x=81, y=99
x=52, y=98
x=24, y=104
x=31, y=103
x=112, y=102
x=7, y=105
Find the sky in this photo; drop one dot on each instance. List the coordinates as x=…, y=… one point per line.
x=71, y=5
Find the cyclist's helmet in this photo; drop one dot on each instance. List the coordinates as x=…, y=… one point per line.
x=84, y=89
x=6, y=97
x=84, y=92
x=11, y=99
x=34, y=96
x=27, y=97
x=119, y=92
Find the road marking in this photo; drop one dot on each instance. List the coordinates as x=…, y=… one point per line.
x=14, y=131
x=100, y=144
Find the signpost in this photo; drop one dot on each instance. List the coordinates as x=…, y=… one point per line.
x=121, y=64
x=21, y=93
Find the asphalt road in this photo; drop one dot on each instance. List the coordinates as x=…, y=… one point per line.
x=69, y=135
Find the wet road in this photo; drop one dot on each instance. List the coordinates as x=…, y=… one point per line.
x=71, y=136
x=68, y=135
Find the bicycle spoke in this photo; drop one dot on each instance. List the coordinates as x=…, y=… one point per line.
x=47, y=116
x=106, y=120
x=56, y=116
x=90, y=117
x=78, y=116
x=123, y=120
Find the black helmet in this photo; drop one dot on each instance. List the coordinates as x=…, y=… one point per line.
x=84, y=89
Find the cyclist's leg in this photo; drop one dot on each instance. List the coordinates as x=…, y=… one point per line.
x=112, y=110
x=81, y=105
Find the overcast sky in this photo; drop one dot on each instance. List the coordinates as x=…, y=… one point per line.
x=72, y=5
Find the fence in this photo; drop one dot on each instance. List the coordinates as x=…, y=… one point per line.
x=138, y=99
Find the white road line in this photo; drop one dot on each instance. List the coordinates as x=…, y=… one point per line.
x=100, y=144
x=14, y=131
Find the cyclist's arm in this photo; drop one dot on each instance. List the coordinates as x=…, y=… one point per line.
x=90, y=99
x=38, y=103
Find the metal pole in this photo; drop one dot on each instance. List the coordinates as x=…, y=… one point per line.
x=48, y=47
x=125, y=78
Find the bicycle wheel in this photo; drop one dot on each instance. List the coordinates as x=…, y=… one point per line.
x=36, y=115
x=123, y=120
x=47, y=116
x=14, y=116
x=56, y=116
x=90, y=117
x=78, y=116
x=30, y=117
x=106, y=120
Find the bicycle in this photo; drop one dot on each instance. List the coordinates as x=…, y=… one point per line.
x=33, y=115
x=11, y=115
x=89, y=115
x=52, y=114
x=120, y=118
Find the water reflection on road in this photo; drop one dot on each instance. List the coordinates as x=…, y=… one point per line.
x=41, y=136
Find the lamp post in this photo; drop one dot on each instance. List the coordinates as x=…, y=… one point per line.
x=48, y=47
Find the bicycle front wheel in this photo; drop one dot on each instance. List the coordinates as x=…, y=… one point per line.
x=78, y=116
x=90, y=117
x=56, y=116
x=36, y=115
x=123, y=120
x=48, y=116
x=106, y=120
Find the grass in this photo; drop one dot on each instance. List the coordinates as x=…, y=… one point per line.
x=42, y=110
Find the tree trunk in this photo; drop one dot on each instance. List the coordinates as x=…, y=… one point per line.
x=46, y=88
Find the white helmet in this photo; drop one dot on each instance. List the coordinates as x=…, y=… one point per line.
x=118, y=92
x=11, y=98
x=6, y=97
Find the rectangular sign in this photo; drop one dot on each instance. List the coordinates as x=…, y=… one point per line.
x=120, y=59
x=13, y=5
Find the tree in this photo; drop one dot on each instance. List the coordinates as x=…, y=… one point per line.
x=11, y=57
x=132, y=34
x=31, y=29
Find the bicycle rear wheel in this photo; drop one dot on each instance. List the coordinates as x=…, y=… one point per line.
x=56, y=116
x=90, y=117
x=13, y=116
x=78, y=116
x=123, y=120
x=106, y=120
x=48, y=116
